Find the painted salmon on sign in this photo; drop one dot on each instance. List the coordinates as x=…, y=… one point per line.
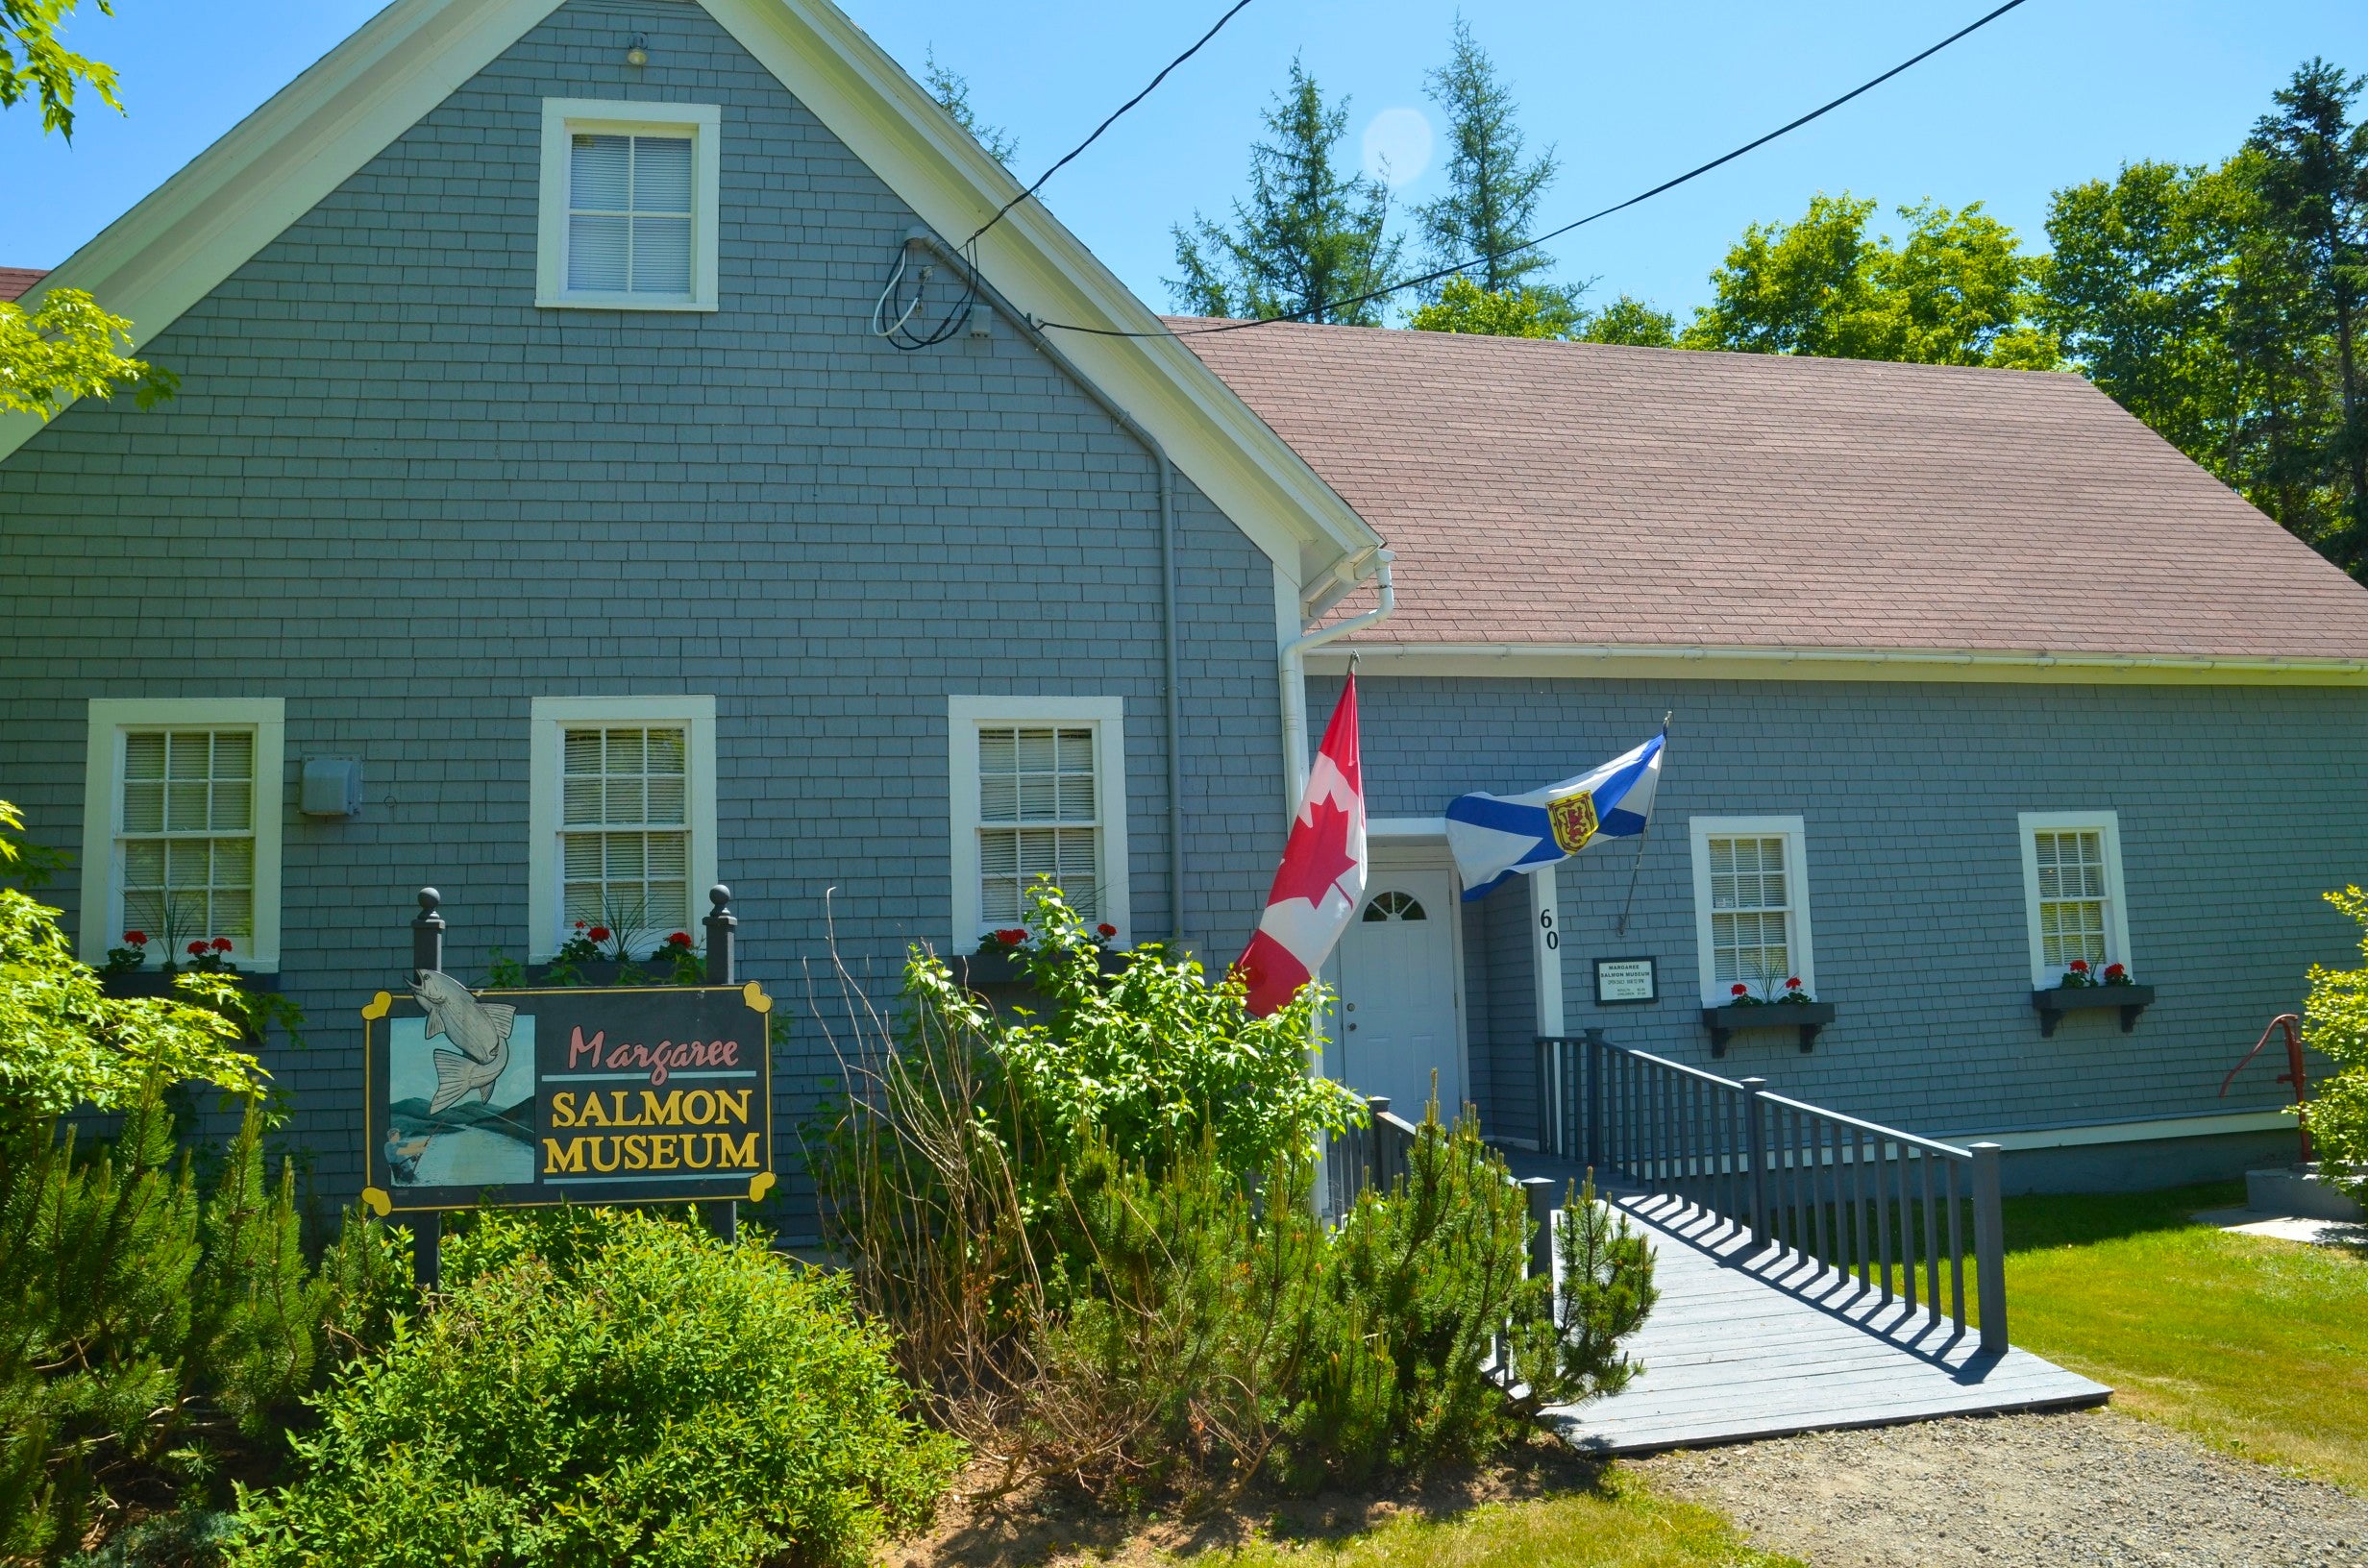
x=575, y=1095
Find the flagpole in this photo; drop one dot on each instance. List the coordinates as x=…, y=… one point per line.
x=1619, y=927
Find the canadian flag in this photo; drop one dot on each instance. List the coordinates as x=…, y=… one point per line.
x=1322, y=880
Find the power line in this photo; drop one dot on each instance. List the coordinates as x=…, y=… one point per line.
x=1553, y=233
x=1234, y=10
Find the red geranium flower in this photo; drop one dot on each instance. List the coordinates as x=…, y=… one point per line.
x=598, y=933
x=1739, y=988
x=580, y=925
x=1107, y=929
x=2080, y=965
x=197, y=949
x=1793, y=984
x=1011, y=938
x=2113, y=972
x=680, y=939
x=138, y=938
x=221, y=944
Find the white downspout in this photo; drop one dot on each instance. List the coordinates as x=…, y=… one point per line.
x=1294, y=681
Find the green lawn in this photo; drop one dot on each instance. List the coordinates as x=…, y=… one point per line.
x=2257, y=1346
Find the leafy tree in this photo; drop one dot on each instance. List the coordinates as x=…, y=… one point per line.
x=2137, y=289
x=952, y=91
x=2312, y=176
x=1631, y=321
x=33, y=59
x=1522, y=311
x=64, y=1043
x=1306, y=239
x=1491, y=196
x=68, y=348
x=1953, y=293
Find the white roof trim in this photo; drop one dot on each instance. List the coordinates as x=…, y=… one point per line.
x=180, y=243
x=1673, y=661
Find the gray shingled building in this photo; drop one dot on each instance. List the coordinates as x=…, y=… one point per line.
x=539, y=453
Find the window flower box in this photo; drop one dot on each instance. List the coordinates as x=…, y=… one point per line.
x=2056, y=1001
x=1805, y=1016
x=1011, y=969
x=156, y=982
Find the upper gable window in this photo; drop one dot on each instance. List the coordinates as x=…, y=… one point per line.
x=629, y=206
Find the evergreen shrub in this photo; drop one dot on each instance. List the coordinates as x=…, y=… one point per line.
x=609, y=1387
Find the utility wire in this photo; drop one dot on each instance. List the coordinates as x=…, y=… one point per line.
x=1235, y=10
x=1552, y=234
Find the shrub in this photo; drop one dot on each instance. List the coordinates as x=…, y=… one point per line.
x=2335, y=1023
x=609, y=1387
x=1095, y=1233
x=147, y=1326
x=1146, y=1060
x=940, y=1174
x=1230, y=1334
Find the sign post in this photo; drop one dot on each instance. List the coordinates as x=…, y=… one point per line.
x=627, y=1095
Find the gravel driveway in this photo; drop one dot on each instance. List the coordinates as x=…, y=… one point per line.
x=2005, y=1491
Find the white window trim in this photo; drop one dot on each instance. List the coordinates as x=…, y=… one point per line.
x=1107, y=715
x=1795, y=835
x=2031, y=823
x=102, y=906
x=550, y=716
x=564, y=116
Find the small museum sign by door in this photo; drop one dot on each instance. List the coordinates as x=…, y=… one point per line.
x=521, y=1098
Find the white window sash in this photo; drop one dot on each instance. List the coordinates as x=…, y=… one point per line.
x=1800, y=939
x=966, y=716
x=2107, y=825
x=565, y=117
x=550, y=720
x=110, y=720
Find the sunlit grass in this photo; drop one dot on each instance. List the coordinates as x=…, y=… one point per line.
x=2257, y=1346
x=1623, y=1524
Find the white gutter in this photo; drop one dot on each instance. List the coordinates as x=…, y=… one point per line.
x=1295, y=680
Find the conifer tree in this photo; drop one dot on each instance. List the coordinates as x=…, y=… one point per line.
x=952, y=91
x=1306, y=239
x=2312, y=182
x=1492, y=197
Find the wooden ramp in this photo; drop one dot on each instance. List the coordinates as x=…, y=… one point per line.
x=1739, y=1348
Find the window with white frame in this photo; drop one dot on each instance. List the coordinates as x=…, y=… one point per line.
x=629, y=206
x=622, y=818
x=1751, y=907
x=1039, y=797
x=2072, y=892
x=181, y=828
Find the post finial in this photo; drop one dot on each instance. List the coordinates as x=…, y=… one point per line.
x=720, y=896
x=428, y=899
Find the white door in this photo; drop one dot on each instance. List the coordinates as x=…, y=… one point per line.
x=1397, y=1022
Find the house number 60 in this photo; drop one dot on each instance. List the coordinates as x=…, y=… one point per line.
x=1546, y=923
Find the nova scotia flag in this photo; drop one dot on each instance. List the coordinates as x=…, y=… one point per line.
x=1494, y=836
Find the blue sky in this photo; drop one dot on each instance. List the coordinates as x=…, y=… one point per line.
x=2057, y=91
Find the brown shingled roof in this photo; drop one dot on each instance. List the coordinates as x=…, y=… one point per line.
x=14, y=281
x=1573, y=493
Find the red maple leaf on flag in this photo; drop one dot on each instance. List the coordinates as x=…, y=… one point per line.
x=1316, y=857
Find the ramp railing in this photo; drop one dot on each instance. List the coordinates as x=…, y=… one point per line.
x=1830, y=1189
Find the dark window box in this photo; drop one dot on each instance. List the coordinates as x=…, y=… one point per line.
x=1007, y=968
x=603, y=972
x=1807, y=1017
x=2053, y=1003
x=155, y=982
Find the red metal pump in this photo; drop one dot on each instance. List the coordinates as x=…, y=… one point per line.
x=2294, y=1075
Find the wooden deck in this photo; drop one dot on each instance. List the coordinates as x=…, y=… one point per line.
x=1739, y=1348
